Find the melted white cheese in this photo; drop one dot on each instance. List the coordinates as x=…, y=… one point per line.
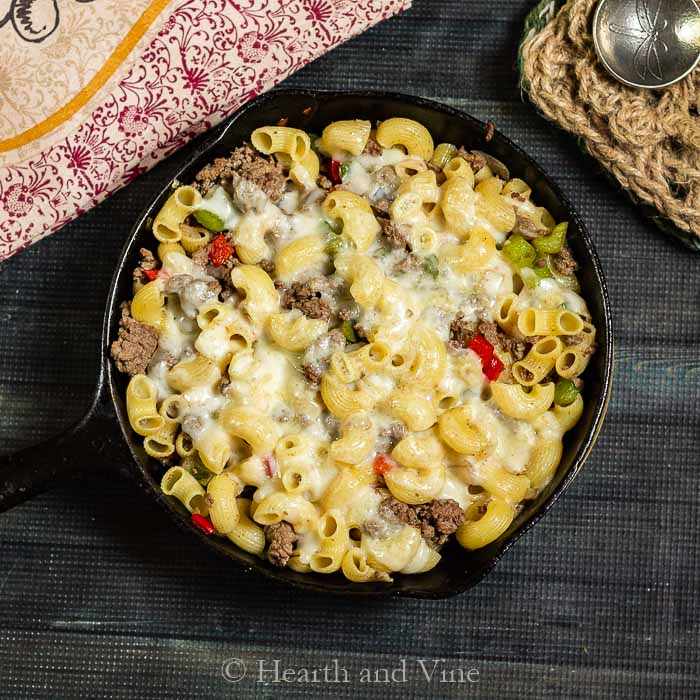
x=268, y=379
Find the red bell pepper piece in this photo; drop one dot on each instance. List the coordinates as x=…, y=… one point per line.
x=490, y=362
x=221, y=250
x=151, y=274
x=203, y=524
x=493, y=368
x=334, y=170
x=383, y=463
x=482, y=348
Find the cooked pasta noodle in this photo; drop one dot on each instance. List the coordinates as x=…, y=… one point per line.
x=381, y=365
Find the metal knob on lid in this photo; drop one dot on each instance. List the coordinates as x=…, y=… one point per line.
x=647, y=43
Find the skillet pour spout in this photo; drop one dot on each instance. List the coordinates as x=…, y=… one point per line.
x=104, y=435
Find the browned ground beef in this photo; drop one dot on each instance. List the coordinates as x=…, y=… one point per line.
x=381, y=208
x=315, y=361
x=525, y=226
x=135, y=344
x=324, y=183
x=246, y=194
x=476, y=160
x=375, y=527
x=220, y=272
x=176, y=283
x=281, y=538
x=572, y=339
x=506, y=376
x=516, y=348
x=245, y=161
x=201, y=256
x=147, y=262
x=268, y=266
x=462, y=333
x=436, y=520
x=564, y=262
x=386, y=176
x=394, y=234
x=408, y=263
x=303, y=296
x=372, y=148
x=312, y=373
x=489, y=330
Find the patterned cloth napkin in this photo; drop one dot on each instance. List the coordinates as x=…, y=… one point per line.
x=95, y=92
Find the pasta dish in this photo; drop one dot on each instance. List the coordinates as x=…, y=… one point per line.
x=348, y=348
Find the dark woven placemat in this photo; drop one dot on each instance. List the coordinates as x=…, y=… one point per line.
x=100, y=597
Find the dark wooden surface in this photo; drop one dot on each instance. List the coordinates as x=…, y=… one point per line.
x=100, y=597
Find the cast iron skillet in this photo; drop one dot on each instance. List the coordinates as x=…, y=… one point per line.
x=100, y=437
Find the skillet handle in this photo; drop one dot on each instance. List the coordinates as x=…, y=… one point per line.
x=93, y=441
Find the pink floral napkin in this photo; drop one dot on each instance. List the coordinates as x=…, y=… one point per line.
x=95, y=92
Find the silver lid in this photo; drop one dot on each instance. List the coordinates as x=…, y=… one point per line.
x=647, y=43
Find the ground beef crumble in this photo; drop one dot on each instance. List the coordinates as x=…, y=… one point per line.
x=586, y=350
x=475, y=160
x=436, y=520
x=408, y=263
x=372, y=148
x=268, y=266
x=201, y=256
x=462, y=333
x=305, y=297
x=375, y=527
x=394, y=234
x=316, y=356
x=135, y=344
x=324, y=183
x=381, y=208
x=490, y=331
x=281, y=538
x=391, y=434
x=516, y=348
x=147, y=262
x=219, y=272
x=572, y=339
x=246, y=162
x=525, y=226
x=564, y=262
x=386, y=177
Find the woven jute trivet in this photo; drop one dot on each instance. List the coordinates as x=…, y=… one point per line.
x=649, y=141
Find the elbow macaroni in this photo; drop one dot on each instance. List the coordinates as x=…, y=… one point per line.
x=306, y=393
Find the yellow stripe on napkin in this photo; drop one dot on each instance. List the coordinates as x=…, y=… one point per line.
x=122, y=50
